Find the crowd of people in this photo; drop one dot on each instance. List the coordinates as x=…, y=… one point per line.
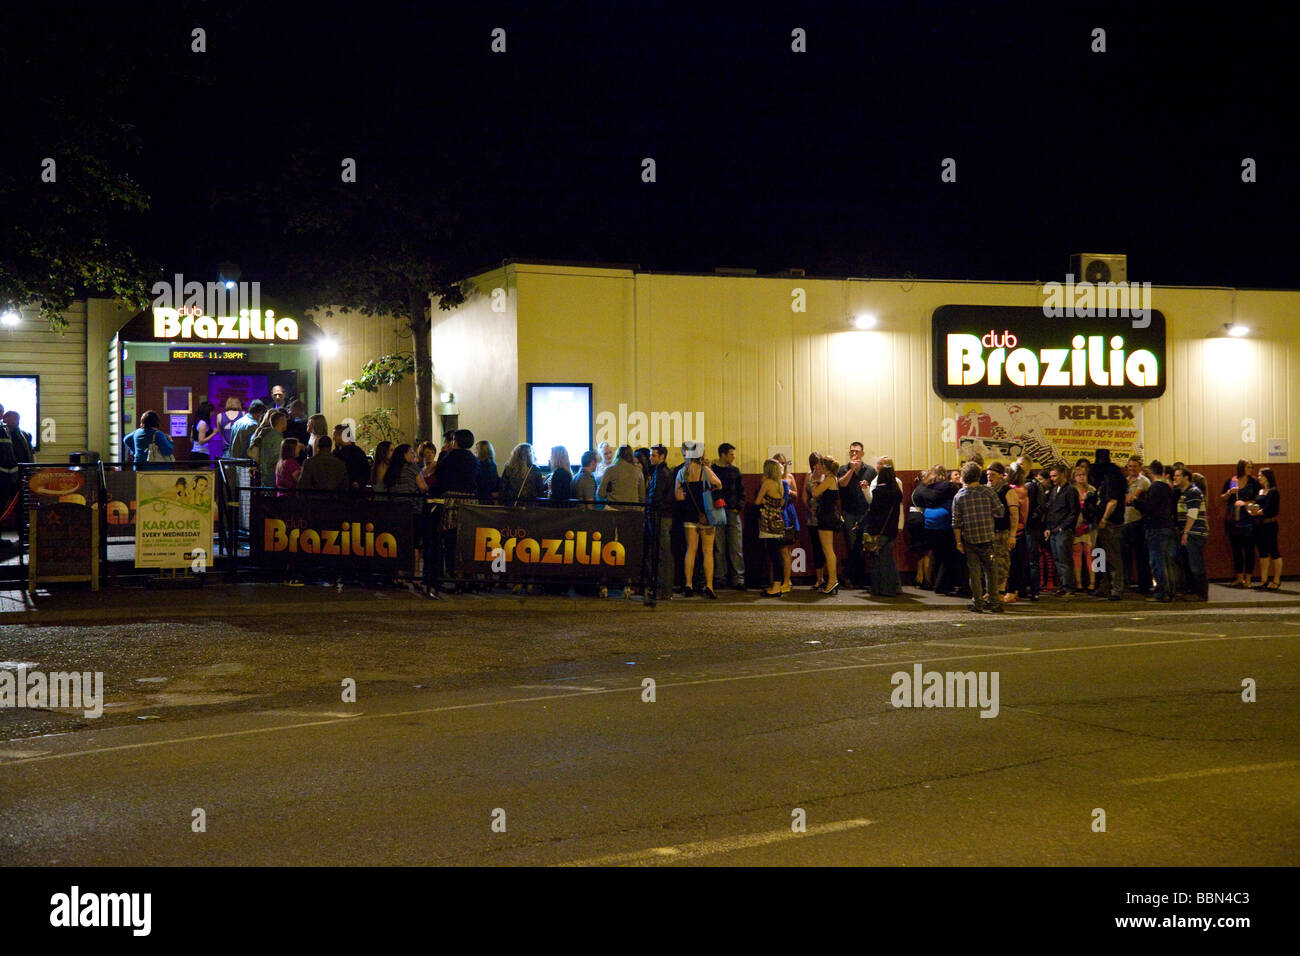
x=1086, y=528
x=996, y=535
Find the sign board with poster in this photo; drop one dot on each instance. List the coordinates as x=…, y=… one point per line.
x=173, y=518
x=64, y=527
x=574, y=543
x=1045, y=432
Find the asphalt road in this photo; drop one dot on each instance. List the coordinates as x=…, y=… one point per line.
x=1138, y=715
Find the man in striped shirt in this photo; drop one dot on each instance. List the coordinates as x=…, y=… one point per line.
x=1195, y=530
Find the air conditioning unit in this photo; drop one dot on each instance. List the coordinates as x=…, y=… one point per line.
x=1099, y=267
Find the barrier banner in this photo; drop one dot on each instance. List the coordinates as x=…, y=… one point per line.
x=120, y=486
x=173, y=519
x=315, y=531
x=1046, y=432
x=574, y=543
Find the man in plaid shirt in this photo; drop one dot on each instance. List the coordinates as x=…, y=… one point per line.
x=973, y=512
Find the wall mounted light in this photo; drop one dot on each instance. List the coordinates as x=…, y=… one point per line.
x=10, y=320
x=327, y=347
x=1235, y=329
x=864, y=320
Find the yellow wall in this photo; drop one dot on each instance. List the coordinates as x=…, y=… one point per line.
x=732, y=348
x=60, y=360
x=475, y=357
x=362, y=338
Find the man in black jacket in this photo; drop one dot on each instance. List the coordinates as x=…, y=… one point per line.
x=1112, y=488
x=1059, y=519
x=660, y=495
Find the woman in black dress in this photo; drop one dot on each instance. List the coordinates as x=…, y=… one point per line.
x=882, y=519
x=559, y=487
x=1263, y=510
x=1238, y=491
x=825, y=494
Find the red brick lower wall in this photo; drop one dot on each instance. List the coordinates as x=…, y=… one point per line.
x=1218, y=558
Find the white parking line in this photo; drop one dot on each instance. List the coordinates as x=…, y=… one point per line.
x=690, y=851
x=1156, y=630
x=978, y=647
x=1213, y=771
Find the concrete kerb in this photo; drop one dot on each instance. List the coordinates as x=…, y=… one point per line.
x=252, y=600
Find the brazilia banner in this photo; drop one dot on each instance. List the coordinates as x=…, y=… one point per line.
x=575, y=543
x=318, y=531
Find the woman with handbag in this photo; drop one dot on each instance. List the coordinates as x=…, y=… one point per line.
x=772, y=531
x=689, y=491
x=881, y=527
x=147, y=444
x=825, y=493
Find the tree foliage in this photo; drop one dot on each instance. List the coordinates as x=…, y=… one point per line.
x=385, y=370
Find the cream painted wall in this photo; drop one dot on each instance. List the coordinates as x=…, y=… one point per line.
x=731, y=347
x=476, y=358
x=360, y=339
x=32, y=348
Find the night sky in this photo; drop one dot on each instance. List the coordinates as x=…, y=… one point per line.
x=827, y=160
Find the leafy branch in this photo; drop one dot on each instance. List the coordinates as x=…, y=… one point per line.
x=385, y=370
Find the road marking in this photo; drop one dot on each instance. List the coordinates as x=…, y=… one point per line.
x=1213, y=771
x=690, y=851
x=1155, y=630
x=554, y=687
x=478, y=705
x=341, y=714
x=978, y=647
x=21, y=754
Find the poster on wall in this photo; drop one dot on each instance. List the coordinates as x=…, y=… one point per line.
x=173, y=518
x=1046, y=432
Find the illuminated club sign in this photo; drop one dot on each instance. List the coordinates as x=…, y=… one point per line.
x=188, y=323
x=1017, y=352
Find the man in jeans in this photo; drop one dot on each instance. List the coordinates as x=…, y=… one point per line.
x=1111, y=491
x=660, y=494
x=727, y=543
x=1195, y=530
x=974, y=512
x=1059, y=519
x=1158, y=510
x=1136, y=563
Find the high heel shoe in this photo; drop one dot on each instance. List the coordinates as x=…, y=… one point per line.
x=776, y=594
x=830, y=592
x=708, y=593
x=787, y=588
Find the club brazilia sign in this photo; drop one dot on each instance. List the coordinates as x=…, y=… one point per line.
x=1011, y=352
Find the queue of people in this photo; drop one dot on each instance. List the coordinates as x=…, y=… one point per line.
x=996, y=535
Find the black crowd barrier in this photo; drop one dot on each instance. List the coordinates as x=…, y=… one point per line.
x=362, y=535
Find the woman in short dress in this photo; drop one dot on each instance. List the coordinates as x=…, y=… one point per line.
x=689, y=492
x=826, y=496
x=771, y=526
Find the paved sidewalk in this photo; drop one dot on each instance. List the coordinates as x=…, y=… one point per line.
x=132, y=603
